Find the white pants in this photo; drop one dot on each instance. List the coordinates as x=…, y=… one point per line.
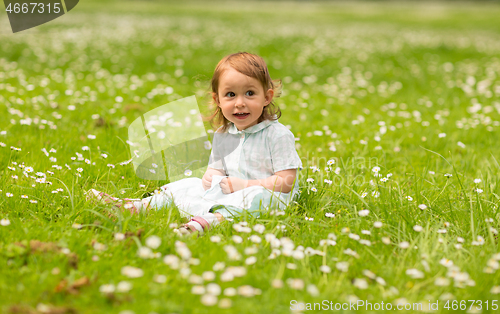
x=192, y=200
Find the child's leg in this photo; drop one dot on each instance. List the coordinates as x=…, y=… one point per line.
x=158, y=200
x=126, y=203
x=220, y=218
x=218, y=213
x=162, y=197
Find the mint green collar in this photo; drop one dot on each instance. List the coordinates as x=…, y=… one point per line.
x=253, y=129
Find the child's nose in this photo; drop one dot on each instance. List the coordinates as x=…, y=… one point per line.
x=240, y=101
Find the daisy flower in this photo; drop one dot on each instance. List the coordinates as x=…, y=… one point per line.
x=4, y=222
x=363, y=213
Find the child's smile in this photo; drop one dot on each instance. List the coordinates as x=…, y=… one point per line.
x=241, y=115
x=241, y=98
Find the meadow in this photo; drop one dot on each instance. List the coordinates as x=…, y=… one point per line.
x=396, y=112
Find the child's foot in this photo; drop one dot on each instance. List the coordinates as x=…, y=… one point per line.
x=199, y=224
x=93, y=194
x=108, y=199
x=130, y=206
x=196, y=224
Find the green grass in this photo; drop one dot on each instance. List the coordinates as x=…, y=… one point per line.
x=369, y=84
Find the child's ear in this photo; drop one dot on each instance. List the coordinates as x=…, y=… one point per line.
x=269, y=96
x=215, y=98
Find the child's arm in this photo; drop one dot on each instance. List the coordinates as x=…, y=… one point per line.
x=207, y=177
x=281, y=181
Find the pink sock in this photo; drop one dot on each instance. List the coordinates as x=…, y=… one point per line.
x=196, y=225
x=210, y=218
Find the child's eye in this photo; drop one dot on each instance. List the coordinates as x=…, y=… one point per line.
x=231, y=94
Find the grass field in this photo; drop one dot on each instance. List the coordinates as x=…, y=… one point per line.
x=404, y=97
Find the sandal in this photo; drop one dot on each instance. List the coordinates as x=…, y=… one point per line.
x=130, y=206
x=93, y=194
x=108, y=199
x=190, y=227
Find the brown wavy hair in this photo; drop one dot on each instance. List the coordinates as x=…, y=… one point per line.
x=250, y=65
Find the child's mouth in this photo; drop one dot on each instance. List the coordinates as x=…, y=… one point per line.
x=241, y=115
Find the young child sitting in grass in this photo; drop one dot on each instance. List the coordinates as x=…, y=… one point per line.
x=261, y=170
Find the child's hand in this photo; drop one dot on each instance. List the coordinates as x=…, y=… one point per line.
x=207, y=181
x=232, y=184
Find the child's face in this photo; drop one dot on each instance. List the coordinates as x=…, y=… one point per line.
x=239, y=93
